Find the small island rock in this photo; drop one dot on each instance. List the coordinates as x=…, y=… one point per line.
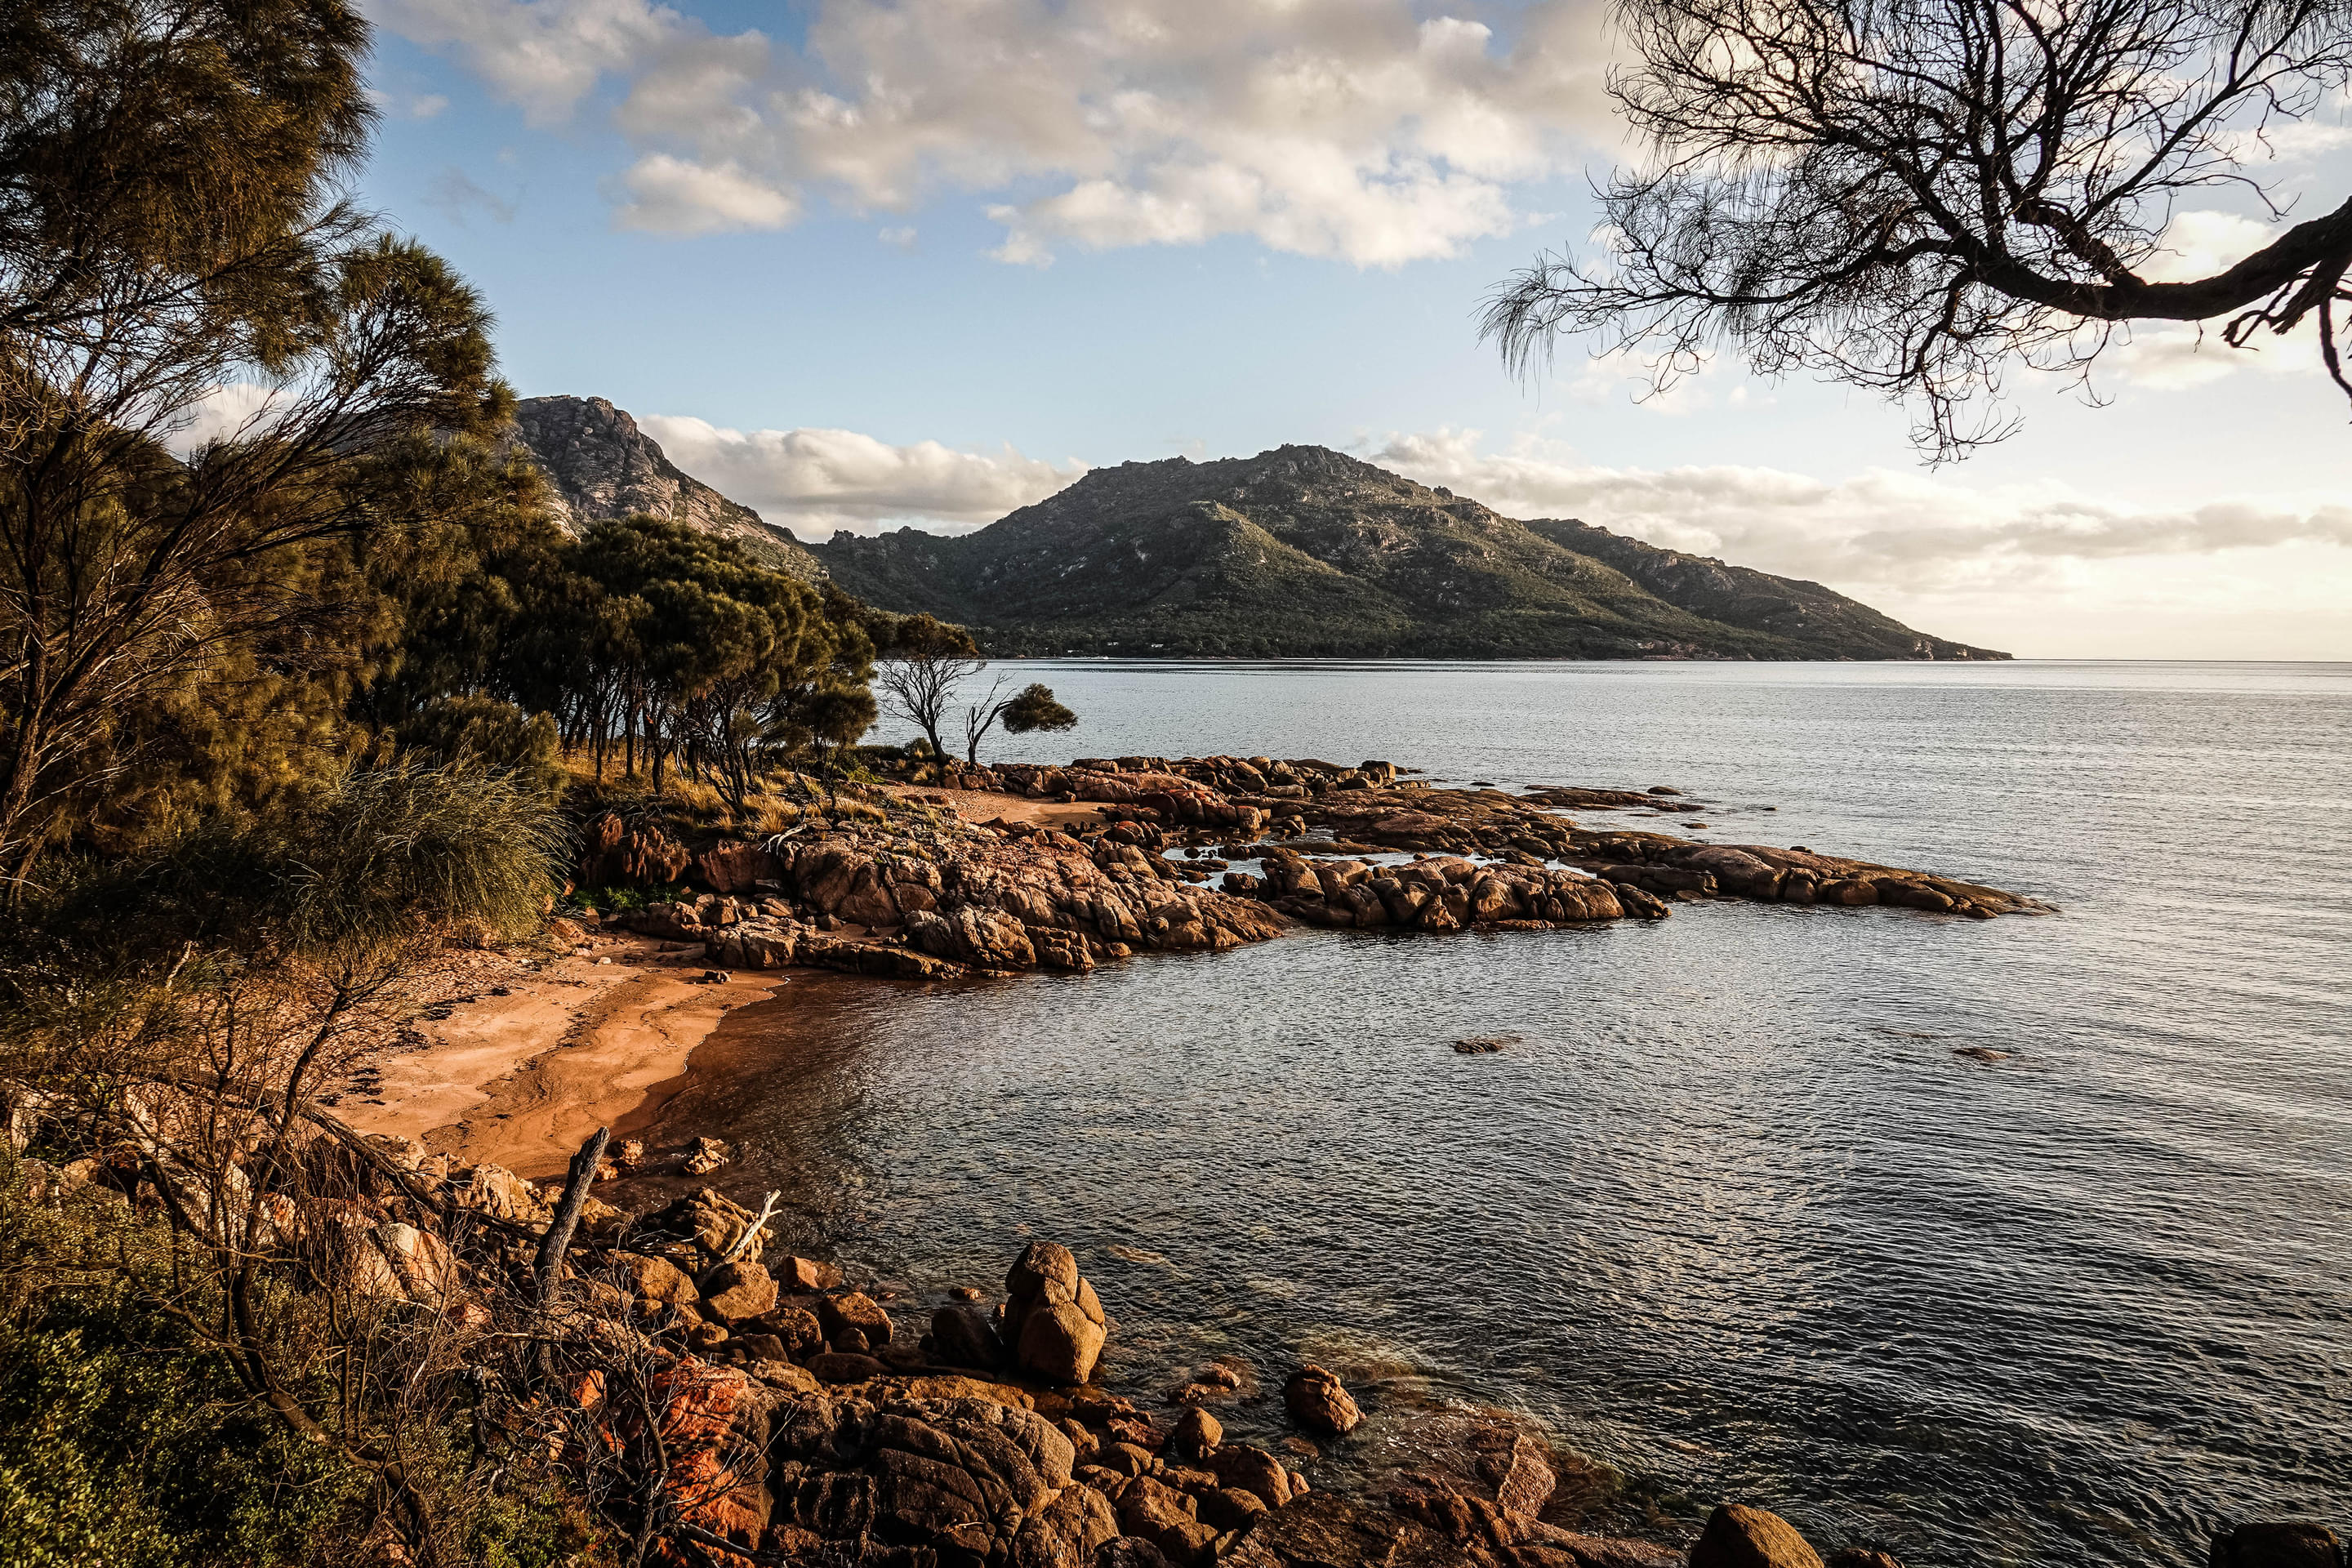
x=1318, y=1401
x=2278, y=1544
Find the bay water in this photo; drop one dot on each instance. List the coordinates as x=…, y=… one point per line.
x=1733, y=1216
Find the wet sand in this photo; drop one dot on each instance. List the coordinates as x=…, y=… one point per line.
x=521, y=1079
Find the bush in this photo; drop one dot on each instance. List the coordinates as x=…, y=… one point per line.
x=385, y=849
x=485, y=733
x=125, y=1442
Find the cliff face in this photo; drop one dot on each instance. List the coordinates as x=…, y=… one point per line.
x=1304, y=550
x=600, y=464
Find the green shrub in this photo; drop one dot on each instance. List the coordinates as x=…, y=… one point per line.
x=124, y=1443
x=485, y=733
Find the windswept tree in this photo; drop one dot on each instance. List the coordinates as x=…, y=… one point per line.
x=706, y=643
x=171, y=225
x=1914, y=195
x=1032, y=709
x=925, y=661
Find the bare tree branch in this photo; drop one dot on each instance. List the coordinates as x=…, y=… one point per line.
x=1912, y=195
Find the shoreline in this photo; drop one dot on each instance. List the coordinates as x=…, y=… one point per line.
x=544, y=1051
x=546, y=1046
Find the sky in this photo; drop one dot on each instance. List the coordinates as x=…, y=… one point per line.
x=865, y=265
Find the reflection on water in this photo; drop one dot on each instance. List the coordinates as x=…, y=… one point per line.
x=1731, y=1216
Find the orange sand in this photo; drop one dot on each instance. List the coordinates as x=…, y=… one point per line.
x=983, y=805
x=522, y=1080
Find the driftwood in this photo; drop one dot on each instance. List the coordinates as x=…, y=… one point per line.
x=548, y=1261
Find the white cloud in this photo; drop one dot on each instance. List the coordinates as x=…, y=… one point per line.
x=455, y=195
x=418, y=105
x=1355, y=129
x=671, y=195
x=2291, y=141
x=544, y=55
x=232, y=410
x=1908, y=530
x=2199, y=243
x=817, y=482
x=2169, y=359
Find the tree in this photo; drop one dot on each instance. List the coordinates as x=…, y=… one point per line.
x=170, y=224
x=1912, y=195
x=1027, y=711
x=705, y=641
x=828, y=702
x=924, y=660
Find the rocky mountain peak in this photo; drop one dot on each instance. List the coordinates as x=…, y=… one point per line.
x=599, y=465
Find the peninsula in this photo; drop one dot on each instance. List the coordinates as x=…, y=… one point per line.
x=1300, y=552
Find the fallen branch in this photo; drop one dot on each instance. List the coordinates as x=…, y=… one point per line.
x=548, y=1261
x=737, y=1247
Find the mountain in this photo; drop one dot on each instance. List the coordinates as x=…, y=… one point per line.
x=1305, y=552
x=600, y=464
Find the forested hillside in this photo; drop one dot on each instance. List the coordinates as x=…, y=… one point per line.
x=1305, y=550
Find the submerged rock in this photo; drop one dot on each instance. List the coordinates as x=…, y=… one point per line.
x=2278, y=1544
x=1483, y=1045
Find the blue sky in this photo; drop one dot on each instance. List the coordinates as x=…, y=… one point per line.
x=864, y=265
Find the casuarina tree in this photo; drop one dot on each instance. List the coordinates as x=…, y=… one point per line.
x=1032, y=709
x=208, y=364
x=1918, y=195
x=924, y=661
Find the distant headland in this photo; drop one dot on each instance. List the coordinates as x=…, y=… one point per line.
x=1300, y=552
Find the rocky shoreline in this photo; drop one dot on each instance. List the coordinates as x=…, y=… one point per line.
x=809, y=1417
x=916, y=891
x=789, y=1413
x=799, y=1420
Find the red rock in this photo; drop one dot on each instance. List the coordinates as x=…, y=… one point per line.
x=1166, y=1518
x=854, y=1309
x=1527, y=1480
x=837, y=1367
x=1737, y=1536
x=738, y=1290
x=1316, y=1401
x=802, y=1274
x=1196, y=1433
x=1251, y=1470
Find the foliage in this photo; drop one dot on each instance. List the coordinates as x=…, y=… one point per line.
x=1915, y=196
x=170, y=224
x=1036, y=709
x=479, y=731
x=925, y=659
x=369, y=857
x=392, y=847
x=123, y=1439
x=1032, y=709
x=284, y=695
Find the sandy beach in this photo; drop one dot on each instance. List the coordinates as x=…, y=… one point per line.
x=989, y=806
x=546, y=1051
x=521, y=1079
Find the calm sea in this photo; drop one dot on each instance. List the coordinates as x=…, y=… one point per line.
x=1733, y=1218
